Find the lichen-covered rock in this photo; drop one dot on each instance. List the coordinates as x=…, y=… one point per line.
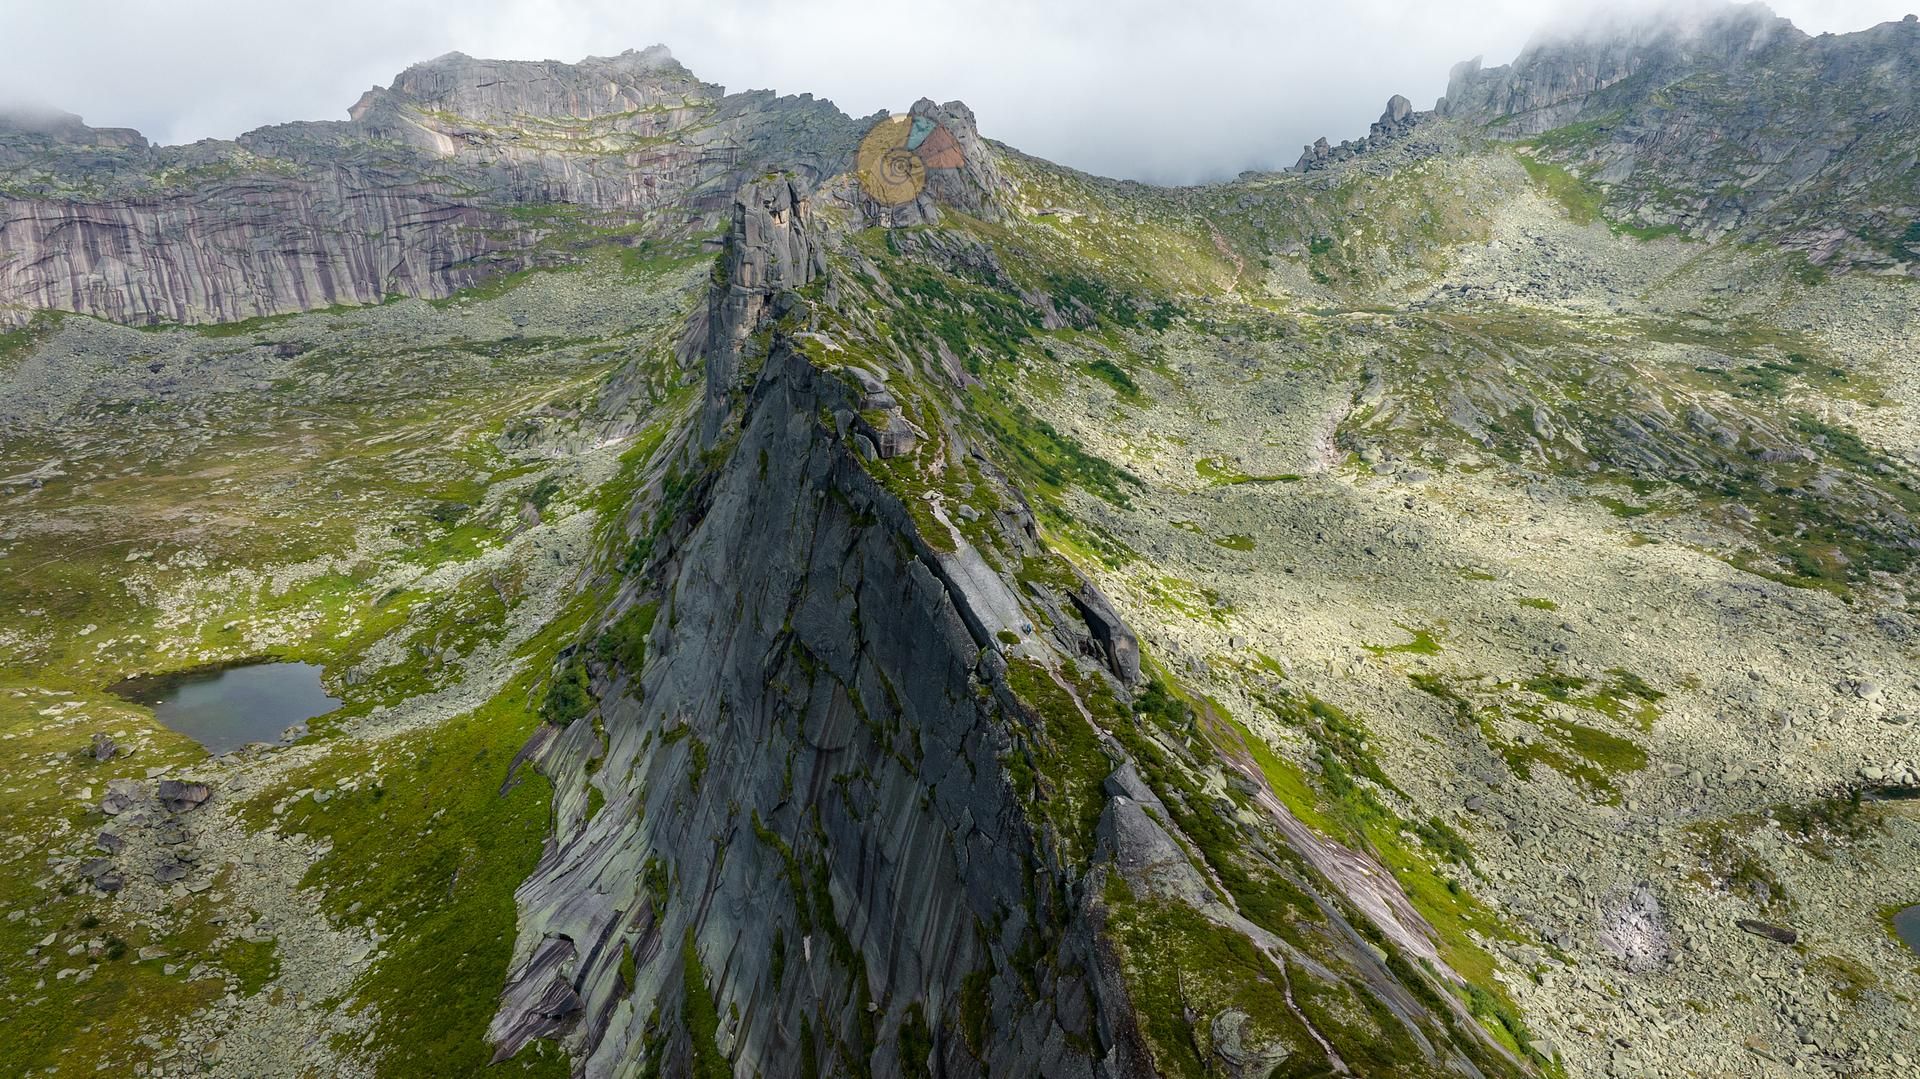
x=1396, y=120
x=811, y=702
x=856, y=802
x=1733, y=124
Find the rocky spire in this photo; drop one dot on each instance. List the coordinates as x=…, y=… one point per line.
x=939, y=160
x=770, y=250
x=1395, y=121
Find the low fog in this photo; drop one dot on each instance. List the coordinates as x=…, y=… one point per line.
x=1148, y=90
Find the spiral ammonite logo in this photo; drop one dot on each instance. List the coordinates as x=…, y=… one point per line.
x=894, y=158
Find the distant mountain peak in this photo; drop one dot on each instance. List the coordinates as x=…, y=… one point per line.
x=63, y=127
x=497, y=90
x=1546, y=85
x=1673, y=23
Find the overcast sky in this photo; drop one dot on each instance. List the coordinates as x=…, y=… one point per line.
x=1142, y=88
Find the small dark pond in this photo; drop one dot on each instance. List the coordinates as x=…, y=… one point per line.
x=1906, y=926
x=224, y=708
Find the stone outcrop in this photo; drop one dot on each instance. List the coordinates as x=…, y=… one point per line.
x=975, y=186
x=1114, y=643
x=420, y=193
x=811, y=759
x=26, y=132
x=1715, y=122
x=1734, y=124
x=1396, y=121
x=634, y=92
x=770, y=251
x=1555, y=76
x=803, y=785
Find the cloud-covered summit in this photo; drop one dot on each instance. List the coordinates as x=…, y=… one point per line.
x=1133, y=88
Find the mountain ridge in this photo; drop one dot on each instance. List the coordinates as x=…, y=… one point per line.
x=817, y=596
x=403, y=199
x=627, y=135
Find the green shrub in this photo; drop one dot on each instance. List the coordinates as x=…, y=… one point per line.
x=624, y=643
x=701, y=1017
x=570, y=696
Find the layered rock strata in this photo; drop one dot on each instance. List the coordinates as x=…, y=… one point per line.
x=446, y=176
x=1733, y=125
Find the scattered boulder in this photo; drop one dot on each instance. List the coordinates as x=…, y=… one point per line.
x=1777, y=933
x=1633, y=929
x=1237, y=1054
x=1117, y=645
x=102, y=874
x=103, y=748
x=169, y=869
x=122, y=795
x=179, y=797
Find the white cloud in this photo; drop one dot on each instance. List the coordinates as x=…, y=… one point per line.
x=1152, y=90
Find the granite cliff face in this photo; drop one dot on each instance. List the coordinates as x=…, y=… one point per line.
x=1732, y=124
x=1553, y=78
x=1411, y=616
x=803, y=807
x=805, y=814
x=875, y=799
x=425, y=190
x=1396, y=121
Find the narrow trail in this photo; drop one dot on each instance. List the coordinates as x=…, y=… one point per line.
x=1239, y=264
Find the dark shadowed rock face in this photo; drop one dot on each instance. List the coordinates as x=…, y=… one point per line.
x=409, y=197
x=813, y=753
x=803, y=787
x=821, y=800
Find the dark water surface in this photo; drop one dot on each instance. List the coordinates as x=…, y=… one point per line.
x=226, y=708
x=1906, y=926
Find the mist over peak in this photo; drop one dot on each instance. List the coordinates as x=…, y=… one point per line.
x=1138, y=89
